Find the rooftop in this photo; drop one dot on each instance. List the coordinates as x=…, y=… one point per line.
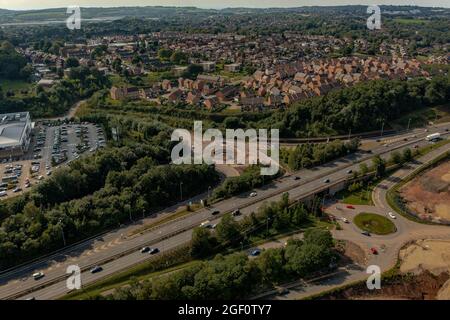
x=12, y=126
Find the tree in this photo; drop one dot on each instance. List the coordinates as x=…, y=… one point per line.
x=178, y=57
x=319, y=237
x=164, y=54
x=227, y=230
x=407, y=155
x=202, y=243
x=396, y=157
x=72, y=62
x=271, y=262
x=363, y=168
x=379, y=166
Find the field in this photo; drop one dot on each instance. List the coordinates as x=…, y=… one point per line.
x=14, y=85
x=428, y=195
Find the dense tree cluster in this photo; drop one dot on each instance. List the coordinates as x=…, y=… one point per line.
x=250, y=178
x=270, y=219
x=310, y=155
x=94, y=194
x=361, y=108
x=81, y=83
x=12, y=64
x=236, y=276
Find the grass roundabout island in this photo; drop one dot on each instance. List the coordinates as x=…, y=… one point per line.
x=374, y=223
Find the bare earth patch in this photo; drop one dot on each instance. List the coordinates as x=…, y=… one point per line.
x=430, y=255
x=428, y=195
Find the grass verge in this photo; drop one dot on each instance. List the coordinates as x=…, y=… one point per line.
x=374, y=223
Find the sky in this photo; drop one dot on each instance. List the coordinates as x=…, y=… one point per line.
x=216, y=4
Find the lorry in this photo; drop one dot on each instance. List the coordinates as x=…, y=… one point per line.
x=433, y=137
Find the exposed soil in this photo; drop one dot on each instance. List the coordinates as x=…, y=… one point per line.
x=424, y=274
x=350, y=252
x=428, y=195
x=425, y=286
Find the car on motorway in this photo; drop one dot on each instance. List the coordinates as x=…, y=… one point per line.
x=345, y=220
x=205, y=224
x=154, y=251
x=391, y=215
x=350, y=207
x=253, y=194
x=38, y=275
x=145, y=249
x=215, y=212
x=326, y=181
x=96, y=269
x=236, y=213
x=255, y=253
x=349, y=171
x=366, y=233
x=296, y=178
x=374, y=250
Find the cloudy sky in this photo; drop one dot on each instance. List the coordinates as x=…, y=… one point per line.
x=38, y=4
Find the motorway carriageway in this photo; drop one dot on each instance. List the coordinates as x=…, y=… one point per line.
x=125, y=251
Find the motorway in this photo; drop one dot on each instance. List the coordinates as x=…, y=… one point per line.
x=116, y=250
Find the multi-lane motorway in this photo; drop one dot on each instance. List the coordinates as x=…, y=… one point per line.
x=117, y=250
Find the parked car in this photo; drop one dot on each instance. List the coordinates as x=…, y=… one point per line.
x=215, y=212
x=345, y=220
x=374, y=250
x=366, y=233
x=236, y=213
x=350, y=207
x=255, y=253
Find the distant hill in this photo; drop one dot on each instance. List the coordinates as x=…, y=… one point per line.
x=10, y=16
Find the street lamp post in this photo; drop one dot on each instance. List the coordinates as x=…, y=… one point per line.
x=181, y=191
x=209, y=191
x=382, y=128
x=409, y=123
x=62, y=232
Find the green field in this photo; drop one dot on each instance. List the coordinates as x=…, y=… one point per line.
x=374, y=223
x=360, y=197
x=14, y=85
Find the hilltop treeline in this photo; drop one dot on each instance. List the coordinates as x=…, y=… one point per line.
x=361, y=108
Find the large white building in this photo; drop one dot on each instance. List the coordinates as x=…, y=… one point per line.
x=15, y=134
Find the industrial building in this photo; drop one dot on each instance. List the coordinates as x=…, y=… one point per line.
x=15, y=134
